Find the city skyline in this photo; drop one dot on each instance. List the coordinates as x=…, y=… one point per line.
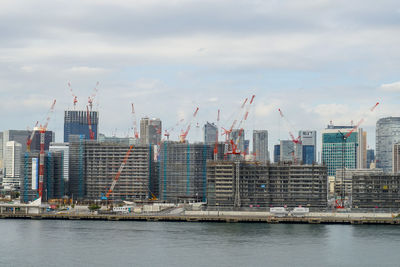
x=334, y=66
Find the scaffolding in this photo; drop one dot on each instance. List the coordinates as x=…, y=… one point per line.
x=183, y=175
x=254, y=184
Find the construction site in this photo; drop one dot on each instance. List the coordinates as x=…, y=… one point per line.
x=240, y=184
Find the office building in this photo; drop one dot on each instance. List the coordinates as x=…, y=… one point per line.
x=260, y=145
x=63, y=148
x=387, y=134
x=309, y=146
x=12, y=165
x=49, y=137
x=290, y=151
x=76, y=123
x=150, y=131
x=210, y=133
x=277, y=153
x=338, y=154
x=370, y=157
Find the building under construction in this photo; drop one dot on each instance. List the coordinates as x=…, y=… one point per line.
x=183, y=170
x=54, y=184
x=372, y=190
x=94, y=165
x=253, y=184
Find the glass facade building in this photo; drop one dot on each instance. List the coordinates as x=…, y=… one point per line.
x=387, y=134
x=309, y=144
x=260, y=145
x=76, y=123
x=337, y=153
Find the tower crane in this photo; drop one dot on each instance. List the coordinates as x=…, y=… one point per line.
x=241, y=126
x=339, y=203
x=75, y=98
x=29, y=141
x=92, y=96
x=135, y=129
x=296, y=141
x=43, y=129
x=167, y=132
x=184, y=134
x=115, y=180
x=91, y=133
x=216, y=138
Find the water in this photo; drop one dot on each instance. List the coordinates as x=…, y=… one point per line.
x=98, y=243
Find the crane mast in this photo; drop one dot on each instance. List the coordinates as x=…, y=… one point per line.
x=41, y=155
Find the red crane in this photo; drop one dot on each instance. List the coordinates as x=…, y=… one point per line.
x=43, y=129
x=184, y=134
x=75, y=98
x=92, y=96
x=115, y=180
x=29, y=141
x=91, y=133
x=216, y=138
x=135, y=129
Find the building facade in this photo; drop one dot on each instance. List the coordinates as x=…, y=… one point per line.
x=338, y=153
x=13, y=154
x=370, y=157
x=309, y=146
x=210, y=133
x=260, y=145
x=277, y=153
x=76, y=123
x=387, y=134
x=150, y=131
x=54, y=184
x=250, y=184
x=183, y=170
x=94, y=165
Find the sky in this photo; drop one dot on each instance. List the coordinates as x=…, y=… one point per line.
x=316, y=60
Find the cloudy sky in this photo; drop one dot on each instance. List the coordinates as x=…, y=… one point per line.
x=317, y=60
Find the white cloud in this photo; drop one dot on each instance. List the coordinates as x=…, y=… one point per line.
x=390, y=87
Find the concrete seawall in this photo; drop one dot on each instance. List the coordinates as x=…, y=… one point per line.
x=363, y=218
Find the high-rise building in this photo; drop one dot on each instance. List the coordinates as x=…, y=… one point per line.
x=63, y=148
x=183, y=170
x=289, y=151
x=54, y=185
x=12, y=165
x=76, y=123
x=49, y=137
x=370, y=157
x=237, y=135
x=210, y=133
x=260, y=145
x=19, y=136
x=94, y=165
x=150, y=131
x=387, y=134
x=309, y=146
x=277, y=153
x=337, y=153
x=396, y=158
x=1, y=152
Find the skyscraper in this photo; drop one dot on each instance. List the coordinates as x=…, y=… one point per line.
x=370, y=157
x=387, y=134
x=12, y=165
x=289, y=151
x=150, y=131
x=210, y=133
x=238, y=139
x=309, y=145
x=76, y=123
x=277, y=153
x=335, y=149
x=260, y=145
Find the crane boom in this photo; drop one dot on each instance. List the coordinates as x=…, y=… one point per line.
x=92, y=96
x=91, y=133
x=183, y=135
x=75, y=98
x=135, y=130
x=114, y=182
x=29, y=141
